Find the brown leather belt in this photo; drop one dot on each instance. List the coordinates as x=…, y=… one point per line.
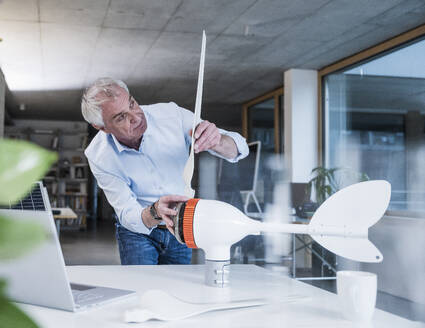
x=161, y=226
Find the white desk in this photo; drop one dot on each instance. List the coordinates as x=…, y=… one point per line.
x=248, y=281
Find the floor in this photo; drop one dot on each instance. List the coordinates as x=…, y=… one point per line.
x=97, y=246
x=94, y=246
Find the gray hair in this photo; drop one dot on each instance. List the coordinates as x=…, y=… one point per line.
x=91, y=102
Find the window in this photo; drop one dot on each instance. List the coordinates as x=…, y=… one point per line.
x=263, y=121
x=374, y=122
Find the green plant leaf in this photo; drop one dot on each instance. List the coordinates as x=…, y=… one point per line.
x=11, y=316
x=18, y=237
x=326, y=182
x=21, y=163
x=328, y=190
x=364, y=177
x=315, y=169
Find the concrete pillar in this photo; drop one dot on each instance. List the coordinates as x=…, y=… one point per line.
x=2, y=102
x=300, y=123
x=301, y=131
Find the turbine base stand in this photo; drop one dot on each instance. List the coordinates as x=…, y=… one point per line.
x=217, y=273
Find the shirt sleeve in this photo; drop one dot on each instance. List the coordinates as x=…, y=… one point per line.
x=240, y=141
x=122, y=199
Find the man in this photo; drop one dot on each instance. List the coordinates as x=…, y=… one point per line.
x=138, y=157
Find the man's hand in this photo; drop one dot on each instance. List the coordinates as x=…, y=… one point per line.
x=207, y=136
x=164, y=208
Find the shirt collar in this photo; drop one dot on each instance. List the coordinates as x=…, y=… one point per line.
x=122, y=147
x=119, y=145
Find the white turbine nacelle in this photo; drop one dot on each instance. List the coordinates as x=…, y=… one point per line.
x=340, y=225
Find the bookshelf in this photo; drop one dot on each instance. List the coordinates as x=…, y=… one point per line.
x=67, y=182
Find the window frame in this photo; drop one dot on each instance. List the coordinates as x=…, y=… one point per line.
x=275, y=94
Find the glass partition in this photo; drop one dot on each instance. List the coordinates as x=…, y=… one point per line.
x=373, y=122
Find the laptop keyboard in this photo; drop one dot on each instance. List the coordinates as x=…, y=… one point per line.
x=85, y=297
x=78, y=287
x=31, y=202
x=82, y=294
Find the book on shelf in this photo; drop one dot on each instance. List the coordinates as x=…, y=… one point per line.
x=79, y=172
x=54, y=187
x=76, y=159
x=53, y=201
x=72, y=172
x=65, y=172
x=80, y=203
x=73, y=188
x=42, y=131
x=83, y=187
x=55, y=142
x=84, y=142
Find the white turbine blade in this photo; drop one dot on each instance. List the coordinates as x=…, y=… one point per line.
x=356, y=249
x=198, y=101
x=187, y=176
x=358, y=206
x=354, y=209
x=190, y=164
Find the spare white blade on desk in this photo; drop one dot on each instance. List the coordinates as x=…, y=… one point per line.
x=190, y=164
x=159, y=305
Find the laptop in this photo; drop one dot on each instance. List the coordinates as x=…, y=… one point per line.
x=40, y=278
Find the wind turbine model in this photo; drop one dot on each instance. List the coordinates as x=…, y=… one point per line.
x=340, y=225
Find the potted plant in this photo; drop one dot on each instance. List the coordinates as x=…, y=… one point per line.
x=326, y=182
x=21, y=164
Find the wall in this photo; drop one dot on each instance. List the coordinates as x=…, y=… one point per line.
x=402, y=242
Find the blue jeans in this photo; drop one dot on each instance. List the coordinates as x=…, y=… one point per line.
x=160, y=247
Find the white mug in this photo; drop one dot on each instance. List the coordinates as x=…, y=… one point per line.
x=357, y=294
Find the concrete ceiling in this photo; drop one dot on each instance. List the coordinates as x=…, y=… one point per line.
x=52, y=49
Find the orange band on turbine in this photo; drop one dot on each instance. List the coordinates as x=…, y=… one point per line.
x=189, y=212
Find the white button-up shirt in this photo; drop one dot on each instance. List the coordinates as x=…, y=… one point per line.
x=134, y=179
